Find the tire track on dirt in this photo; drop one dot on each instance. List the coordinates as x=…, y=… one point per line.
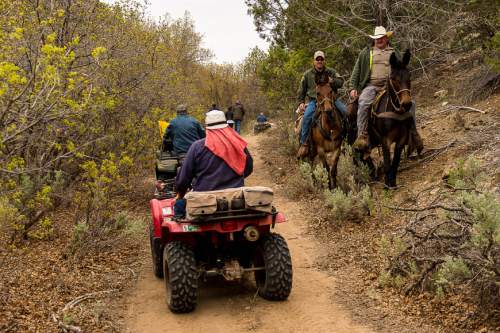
x=235, y=307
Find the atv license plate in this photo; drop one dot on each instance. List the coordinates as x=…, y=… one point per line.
x=190, y=227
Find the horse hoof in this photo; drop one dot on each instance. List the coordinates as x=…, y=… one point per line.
x=390, y=186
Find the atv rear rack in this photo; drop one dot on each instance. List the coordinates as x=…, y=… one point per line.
x=228, y=215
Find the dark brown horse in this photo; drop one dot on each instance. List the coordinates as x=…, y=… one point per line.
x=392, y=119
x=326, y=132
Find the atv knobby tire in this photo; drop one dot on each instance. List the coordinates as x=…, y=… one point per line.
x=156, y=254
x=275, y=282
x=181, y=277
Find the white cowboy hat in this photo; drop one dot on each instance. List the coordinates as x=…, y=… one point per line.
x=215, y=119
x=381, y=32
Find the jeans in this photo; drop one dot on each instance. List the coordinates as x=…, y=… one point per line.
x=308, y=116
x=237, y=126
x=180, y=208
x=341, y=107
x=307, y=120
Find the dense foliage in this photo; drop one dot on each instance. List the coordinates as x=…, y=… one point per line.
x=433, y=30
x=82, y=85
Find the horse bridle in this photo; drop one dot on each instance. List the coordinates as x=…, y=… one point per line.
x=323, y=102
x=397, y=96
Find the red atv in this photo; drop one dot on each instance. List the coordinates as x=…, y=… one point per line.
x=221, y=235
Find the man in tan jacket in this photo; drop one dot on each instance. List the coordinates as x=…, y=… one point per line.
x=368, y=78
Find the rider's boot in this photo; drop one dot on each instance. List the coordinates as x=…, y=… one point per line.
x=361, y=144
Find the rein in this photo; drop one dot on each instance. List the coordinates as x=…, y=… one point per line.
x=323, y=102
x=396, y=108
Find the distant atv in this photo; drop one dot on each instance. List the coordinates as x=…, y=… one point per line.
x=261, y=127
x=226, y=233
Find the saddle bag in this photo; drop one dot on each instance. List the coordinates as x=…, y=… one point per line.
x=199, y=204
x=258, y=198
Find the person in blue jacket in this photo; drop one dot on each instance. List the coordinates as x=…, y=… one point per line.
x=219, y=161
x=183, y=130
x=261, y=118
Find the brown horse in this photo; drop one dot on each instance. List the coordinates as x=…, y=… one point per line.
x=392, y=119
x=326, y=131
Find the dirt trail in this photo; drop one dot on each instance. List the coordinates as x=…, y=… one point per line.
x=225, y=307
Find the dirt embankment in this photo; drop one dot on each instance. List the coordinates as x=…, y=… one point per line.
x=353, y=251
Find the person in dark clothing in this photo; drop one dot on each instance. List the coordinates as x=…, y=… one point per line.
x=238, y=115
x=229, y=113
x=261, y=118
x=213, y=107
x=219, y=161
x=183, y=130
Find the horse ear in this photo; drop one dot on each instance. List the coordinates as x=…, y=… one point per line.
x=406, y=57
x=317, y=78
x=393, y=60
x=321, y=78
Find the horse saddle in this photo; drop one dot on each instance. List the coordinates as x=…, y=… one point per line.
x=387, y=114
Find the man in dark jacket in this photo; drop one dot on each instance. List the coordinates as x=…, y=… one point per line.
x=183, y=130
x=307, y=95
x=238, y=114
x=261, y=118
x=229, y=113
x=219, y=161
x=368, y=78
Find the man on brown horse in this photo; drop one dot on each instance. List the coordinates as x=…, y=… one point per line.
x=307, y=95
x=369, y=77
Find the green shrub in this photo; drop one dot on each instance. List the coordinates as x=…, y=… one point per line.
x=321, y=177
x=494, y=58
x=88, y=237
x=453, y=270
x=386, y=279
x=456, y=246
x=307, y=174
x=349, y=206
x=486, y=211
x=466, y=173
x=351, y=177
